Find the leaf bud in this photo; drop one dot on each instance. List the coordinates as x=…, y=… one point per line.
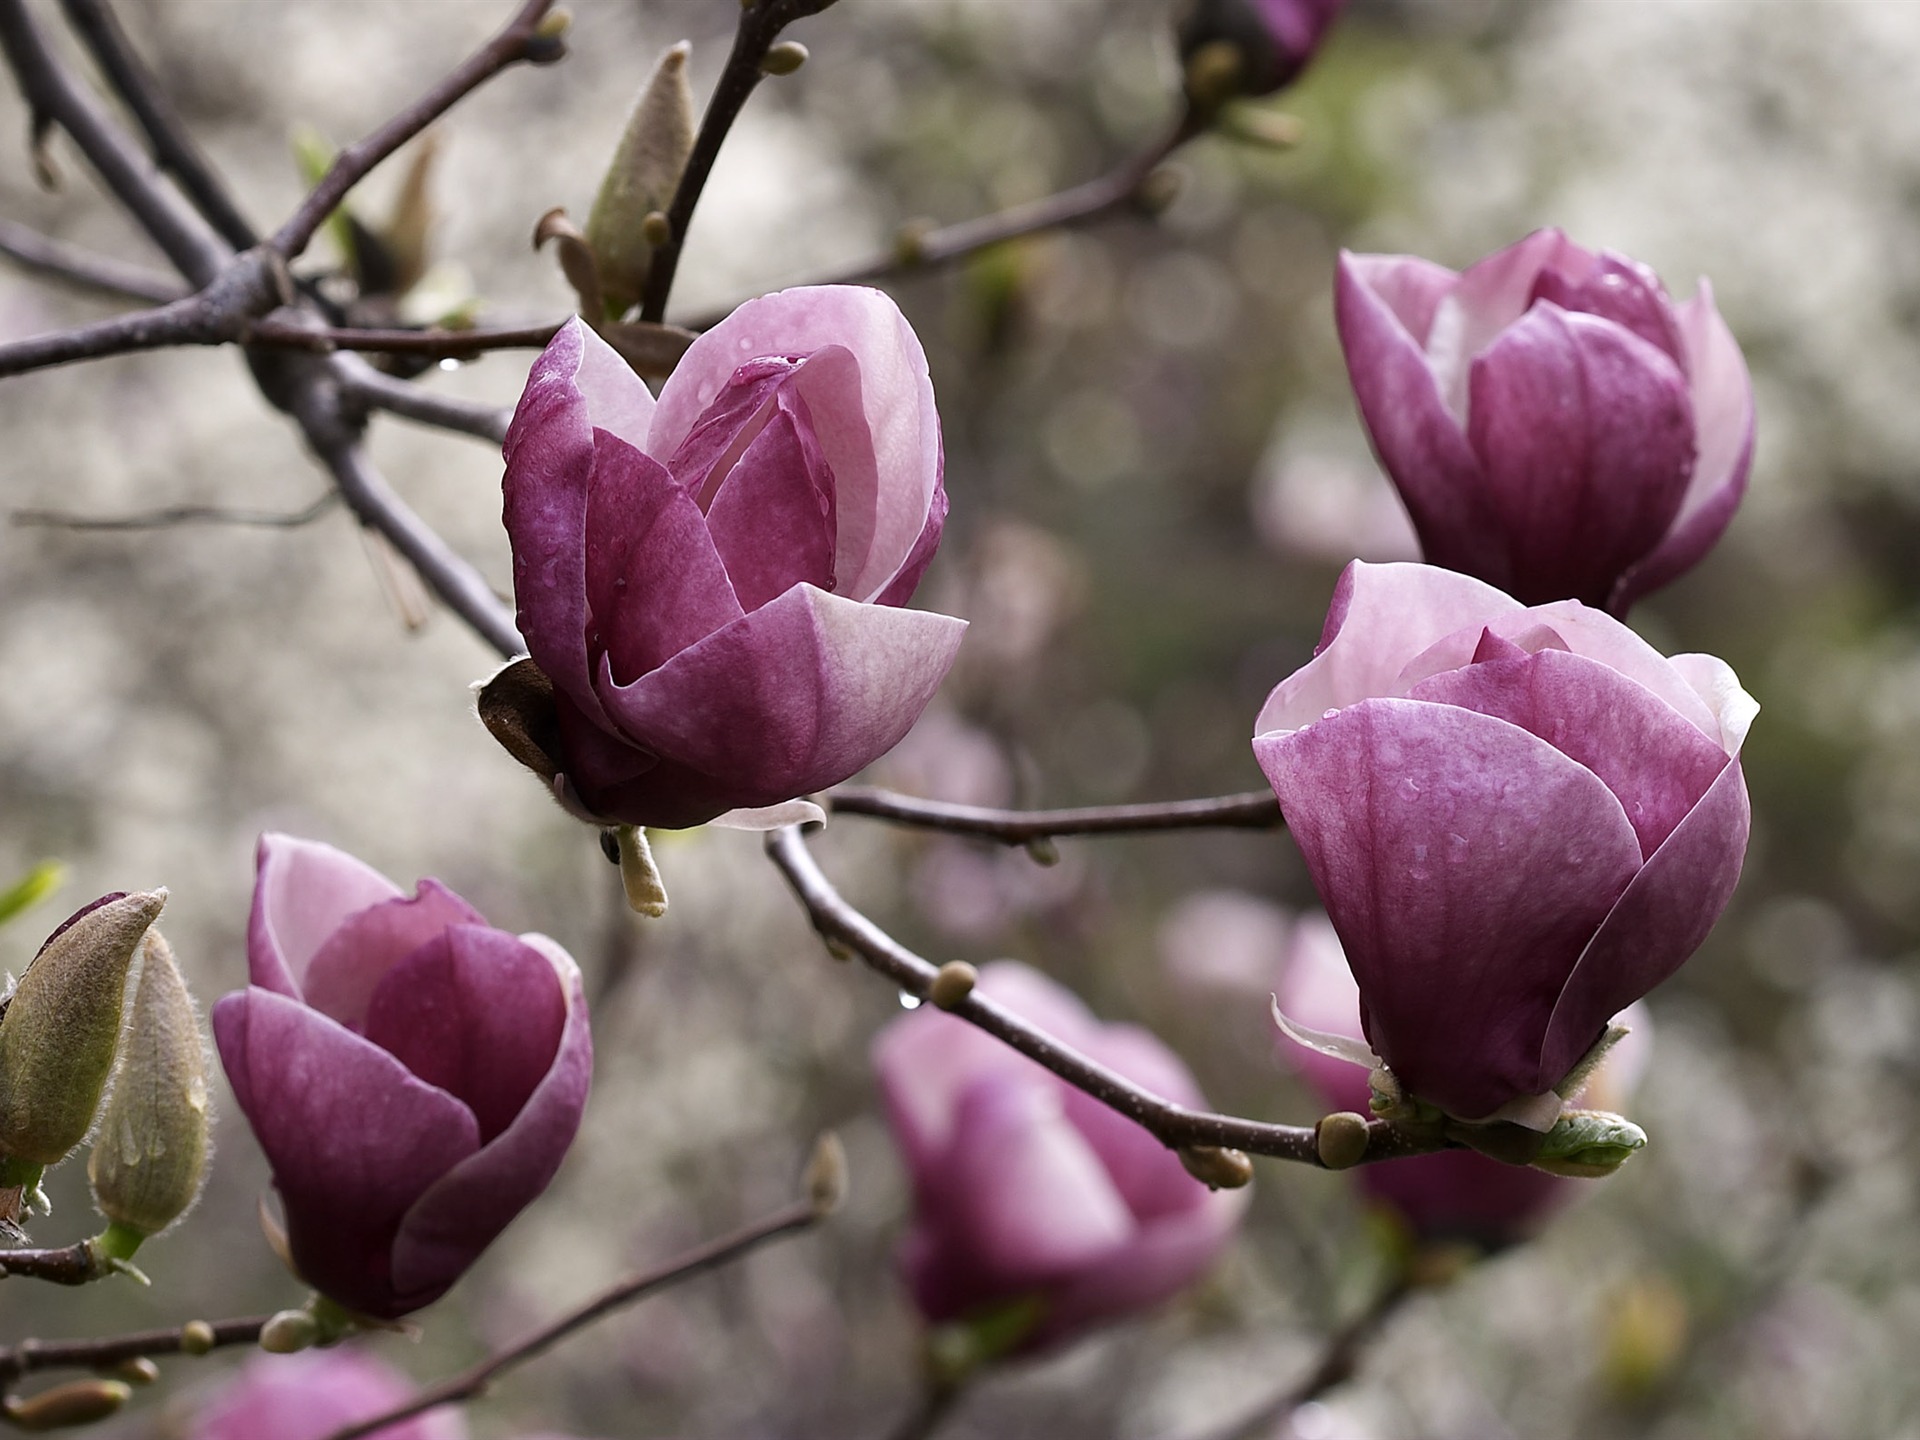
x=784, y=58
x=952, y=984
x=1216, y=1167
x=288, y=1331
x=150, y=1155
x=826, y=1177
x=197, y=1337
x=1587, y=1144
x=1340, y=1139
x=62, y=1028
x=78, y=1402
x=138, y=1370
x=644, y=173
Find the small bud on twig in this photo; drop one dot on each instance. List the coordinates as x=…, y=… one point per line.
x=78, y=1402
x=640, y=179
x=137, y=1371
x=826, y=1178
x=1217, y=1167
x=953, y=984
x=656, y=229
x=784, y=58
x=288, y=1331
x=1042, y=850
x=1340, y=1139
x=197, y=1338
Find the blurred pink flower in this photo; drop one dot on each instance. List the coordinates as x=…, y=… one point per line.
x=414, y=1075
x=1556, y=425
x=312, y=1394
x=1027, y=1189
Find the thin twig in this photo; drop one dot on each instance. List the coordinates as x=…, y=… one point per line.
x=168, y=516
x=1175, y=1126
x=75, y=1264
x=1253, y=810
x=98, y=274
x=29, y=1356
x=413, y=401
x=802, y=1215
x=761, y=22
x=519, y=41
x=54, y=96
x=440, y=344
x=173, y=148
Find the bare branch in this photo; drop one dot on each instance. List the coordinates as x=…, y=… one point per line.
x=440, y=344
x=1173, y=1125
x=171, y=515
x=76, y=1264
x=802, y=1215
x=72, y=265
x=519, y=41
x=1253, y=810
x=173, y=148
x=53, y=95
x=412, y=401
x=29, y=1356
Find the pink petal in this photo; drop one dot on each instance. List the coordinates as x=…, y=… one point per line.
x=309, y=1395
x=369, y=943
x=1317, y=989
x=1490, y=295
x=899, y=590
x=1465, y=863
x=1147, y=1175
x=1655, y=763
x=1659, y=921
x=1623, y=291
x=654, y=583
x=467, y=1207
x=1163, y=1258
x=773, y=518
x=730, y=423
x=302, y=892
x=1715, y=683
x=476, y=1013
x=1723, y=420
x=1381, y=617
x=352, y=1137
x=1419, y=440
x=1598, y=636
x=1585, y=433
x=877, y=425
x=796, y=696
x=1411, y=288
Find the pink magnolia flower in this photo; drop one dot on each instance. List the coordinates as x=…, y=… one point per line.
x=413, y=1075
x=1276, y=38
x=713, y=584
x=314, y=1393
x=1519, y=819
x=1556, y=425
x=1026, y=1189
x=1455, y=1194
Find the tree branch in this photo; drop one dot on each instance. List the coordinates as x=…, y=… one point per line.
x=168, y=516
x=439, y=344
x=29, y=1356
x=54, y=97
x=412, y=401
x=75, y=1264
x=802, y=1215
x=1253, y=810
x=84, y=270
x=519, y=41
x=1173, y=1125
x=172, y=147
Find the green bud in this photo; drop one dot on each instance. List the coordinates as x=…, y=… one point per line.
x=784, y=58
x=62, y=1028
x=1340, y=1139
x=150, y=1155
x=644, y=173
x=288, y=1331
x=78, y=1402
x=197, y=1337
x=1587, y=1144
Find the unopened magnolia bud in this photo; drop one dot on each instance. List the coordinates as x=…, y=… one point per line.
x=137, y=1371
x=826, y=1178
x=78, y=1402
x=1587, y=1144
x=288, y=1331
x=784, y=58
x=656, y=229
x=1340, y=1139
x=62, y=1028
x=1249, y=47
x=953, y=984
x=197, y=1338
x=1043, y=851
x=1216, y=1167
x=150, y=1156
x=646, y=895
x=644, y=173
x=1213, y=73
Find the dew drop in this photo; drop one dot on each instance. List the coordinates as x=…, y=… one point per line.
x=1331, y=713
x=909, y=1002
x=1410, y=789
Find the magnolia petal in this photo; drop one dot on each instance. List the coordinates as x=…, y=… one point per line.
x=1464, y=863
x=1598, y=636
x=1381, y=617
x=1490, y=295
x=303, y=891
x=459, y=1215
x=1350, y=1049
x=772, y=817
x=1411, y=288
x=1624, y=291
x=351, y=1136
x=1585, y=436
x=370, y=943
x=772, y=519
x=1714, y=681
x=1148, y=1176
x=899, y=590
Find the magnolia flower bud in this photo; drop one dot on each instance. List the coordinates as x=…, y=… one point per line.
x=150, y=1156
x=641, y=179
x=78, y=1402
x=62, y=1026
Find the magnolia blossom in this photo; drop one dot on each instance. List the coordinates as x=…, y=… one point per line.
x=414, y=1075
x=711, y=586
x=1453, y=1194
x=1556, y=425
x=1520, y=820
x=1027, y=1190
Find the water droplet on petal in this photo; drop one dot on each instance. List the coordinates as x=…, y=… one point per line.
x=909, y=1002
x=1410, y=789
x=1331, y=713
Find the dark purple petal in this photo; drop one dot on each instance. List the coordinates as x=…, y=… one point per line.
x=369, y=943
x=1656, y=764
x=1458, y=1195
x=1465, y=864
x=1659, y=921
x=773, y=518
x=352, y=1138
x=730, y=423
x=476, y=1012
x=1623, y=291
x=462, y=1212
x=303, y=891
x=1585, y=433
x=1420, y=441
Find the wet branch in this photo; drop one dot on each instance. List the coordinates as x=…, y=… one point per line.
x=1252, y=810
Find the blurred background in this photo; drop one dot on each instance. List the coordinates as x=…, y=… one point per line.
x=1156, y=474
